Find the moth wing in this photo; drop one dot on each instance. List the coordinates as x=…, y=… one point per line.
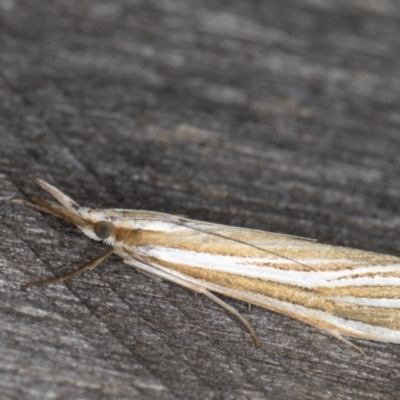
x=342, y=290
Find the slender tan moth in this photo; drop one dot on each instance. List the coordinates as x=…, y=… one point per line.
x=340, y=290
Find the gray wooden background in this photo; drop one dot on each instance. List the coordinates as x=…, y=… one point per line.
x=281, y=115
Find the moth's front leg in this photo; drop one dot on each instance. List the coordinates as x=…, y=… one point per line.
x=89, y=266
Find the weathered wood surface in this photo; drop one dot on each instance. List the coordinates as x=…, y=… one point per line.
x=278, y=115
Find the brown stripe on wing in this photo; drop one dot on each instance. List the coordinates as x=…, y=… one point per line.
x=381, y=274
x=367, y=292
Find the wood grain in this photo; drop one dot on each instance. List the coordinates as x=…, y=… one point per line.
x=277, y=115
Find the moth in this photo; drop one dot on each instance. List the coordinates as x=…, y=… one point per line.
x=343, y=291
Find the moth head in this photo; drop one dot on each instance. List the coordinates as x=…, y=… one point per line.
x=94, y=223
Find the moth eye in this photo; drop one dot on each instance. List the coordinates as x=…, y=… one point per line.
x=103, y=229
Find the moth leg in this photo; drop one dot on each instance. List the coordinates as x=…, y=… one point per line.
x=342, y=339
x=142, y=265
x=89, y=266
x=235, y=313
